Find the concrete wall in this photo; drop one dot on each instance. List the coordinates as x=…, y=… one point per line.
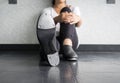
x=101, y=21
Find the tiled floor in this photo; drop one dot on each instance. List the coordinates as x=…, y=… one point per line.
x=23, y=67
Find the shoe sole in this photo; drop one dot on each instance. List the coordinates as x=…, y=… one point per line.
x=53, y=59
x=72, y=59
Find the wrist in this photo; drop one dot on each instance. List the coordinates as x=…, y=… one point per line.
x=56, y=20
x=78, y=19
x=78, y=24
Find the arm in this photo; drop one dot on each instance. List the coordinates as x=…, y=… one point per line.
x=78, y=24
x=63, y=17
x=76, y=20
x=72, y=18
x=76, y=11
x=56, y=19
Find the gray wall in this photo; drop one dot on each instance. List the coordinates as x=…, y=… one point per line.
x=101, y=21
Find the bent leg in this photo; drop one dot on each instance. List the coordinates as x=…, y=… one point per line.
x=48, y=40
x=49, y=45
x=68, y=38
x=68, y=34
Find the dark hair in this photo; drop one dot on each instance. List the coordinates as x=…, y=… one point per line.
x=53, y=2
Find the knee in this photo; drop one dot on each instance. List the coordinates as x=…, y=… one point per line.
x=66, y=9
x=67, y=41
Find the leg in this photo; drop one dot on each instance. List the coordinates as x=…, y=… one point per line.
x=68, y=38
x=49, y=45
x=68, y=35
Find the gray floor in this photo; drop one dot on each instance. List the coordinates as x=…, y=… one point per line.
x=23, y=67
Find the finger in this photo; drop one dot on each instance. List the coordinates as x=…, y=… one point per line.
x=73, y=22
x=70, y=14
x=69, y=17
x=67, y=21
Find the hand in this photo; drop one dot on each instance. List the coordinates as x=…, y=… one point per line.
x=75, y=19
x=67, y=18
x=70, y=18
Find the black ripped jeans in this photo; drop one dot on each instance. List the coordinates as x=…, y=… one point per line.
x=68, y=31
x=50, y=43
